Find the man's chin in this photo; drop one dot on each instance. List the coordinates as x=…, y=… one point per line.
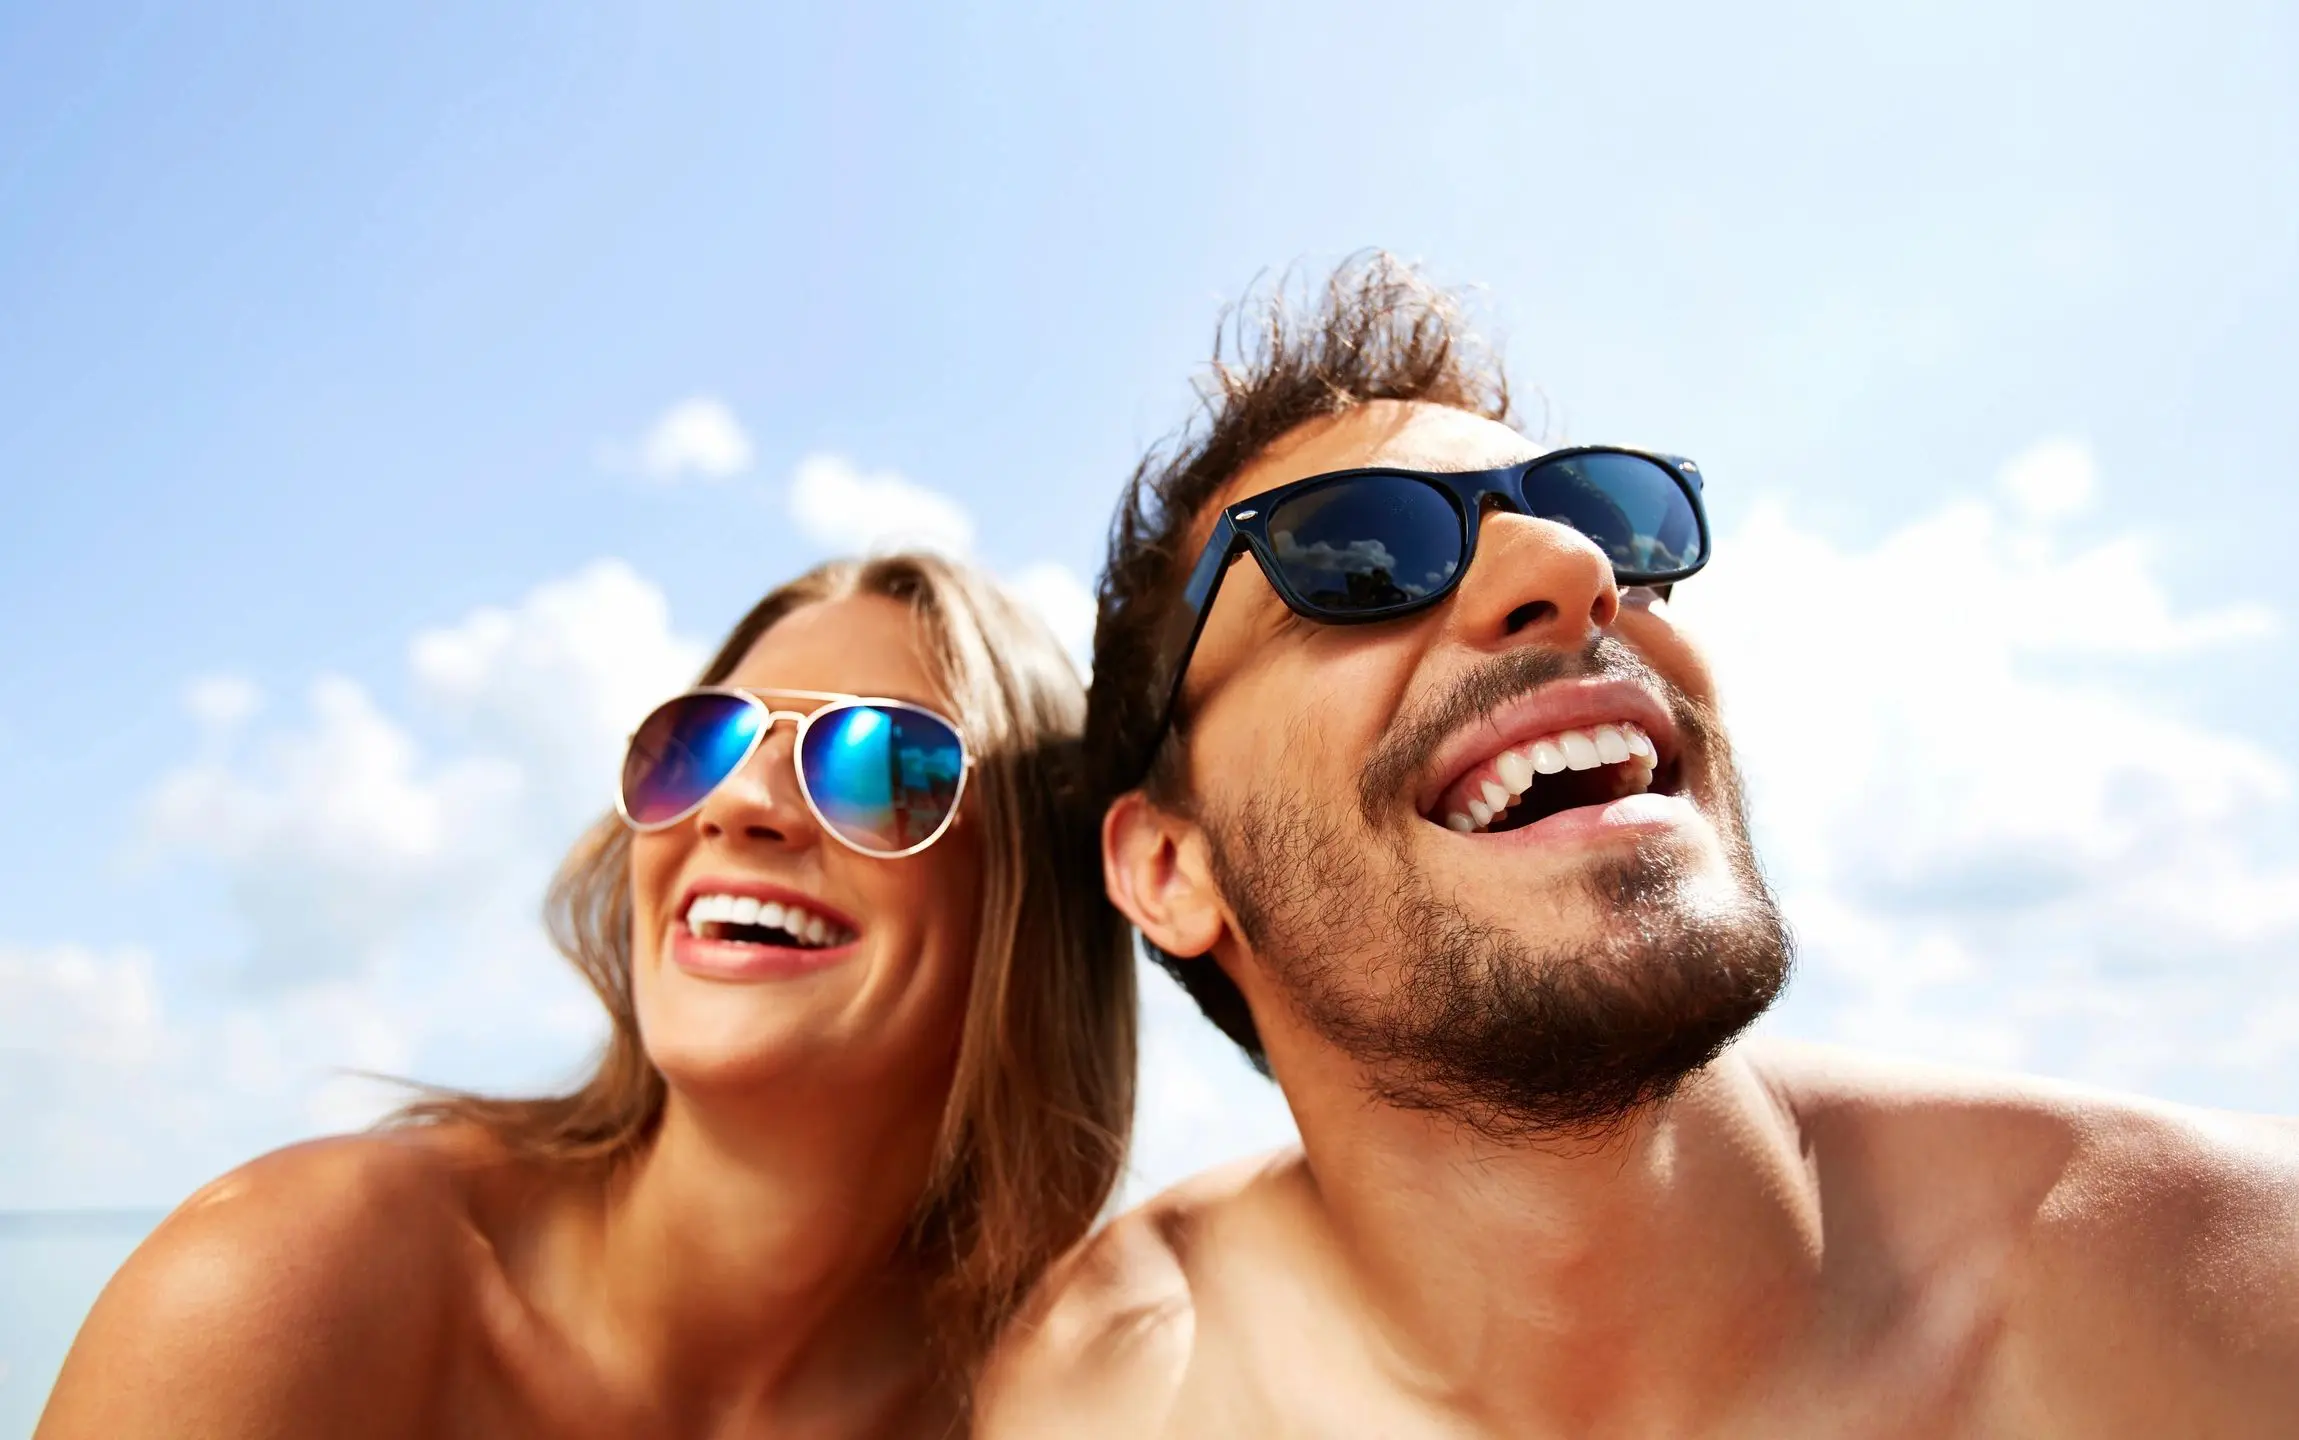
x=1566, y=1014
x=1521, y=989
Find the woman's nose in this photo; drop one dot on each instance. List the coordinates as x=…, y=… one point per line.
x=760, y=804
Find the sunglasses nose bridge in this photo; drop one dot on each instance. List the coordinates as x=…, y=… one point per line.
x=1500, y=495
x=770, y=771
x=778, y=747
x=1503, y=497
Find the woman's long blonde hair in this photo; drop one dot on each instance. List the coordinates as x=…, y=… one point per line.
x=1035, y=1128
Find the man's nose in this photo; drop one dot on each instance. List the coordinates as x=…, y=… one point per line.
x=1534, y=582
x=760, y=804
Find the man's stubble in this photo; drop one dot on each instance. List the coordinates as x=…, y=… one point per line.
x=1450, y=1012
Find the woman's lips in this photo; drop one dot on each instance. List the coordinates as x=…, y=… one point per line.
x=738, y=960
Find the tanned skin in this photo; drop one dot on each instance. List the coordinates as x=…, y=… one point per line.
x=743, y=1275
x=1799, y=1243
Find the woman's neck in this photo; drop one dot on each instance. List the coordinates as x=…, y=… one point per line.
x=752, y=1259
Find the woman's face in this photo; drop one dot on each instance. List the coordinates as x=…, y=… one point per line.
x=879, y=999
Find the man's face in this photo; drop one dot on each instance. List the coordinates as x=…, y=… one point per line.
x=1524, y=950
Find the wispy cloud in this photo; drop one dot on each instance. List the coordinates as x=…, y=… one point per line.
x=71, y=1001
x=1064, y=602
x=387, y=887
x=1999, y=832
x=697, y=438
x=2051, y=478
x=337, y=832
x=847, y=510
x=222, y=702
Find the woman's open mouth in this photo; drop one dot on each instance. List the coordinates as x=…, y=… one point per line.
x=747, y=920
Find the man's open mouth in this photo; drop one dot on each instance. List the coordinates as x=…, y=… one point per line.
x=1534, y=779
x=746, y=920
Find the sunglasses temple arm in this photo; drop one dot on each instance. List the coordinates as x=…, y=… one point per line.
x=1197, y=601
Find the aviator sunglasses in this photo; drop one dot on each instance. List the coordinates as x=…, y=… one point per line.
x=1354, y=546
x=884, y=776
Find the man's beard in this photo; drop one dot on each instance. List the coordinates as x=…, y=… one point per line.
x=1479, y=1022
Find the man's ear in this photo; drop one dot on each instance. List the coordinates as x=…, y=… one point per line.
x=1155, y=866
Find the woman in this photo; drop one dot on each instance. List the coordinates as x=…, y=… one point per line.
x=870, y=1068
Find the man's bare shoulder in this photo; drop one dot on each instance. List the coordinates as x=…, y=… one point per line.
x=2121, y=1227
x=1107, y=1337
x=317, y=1274
x=2066, y=1151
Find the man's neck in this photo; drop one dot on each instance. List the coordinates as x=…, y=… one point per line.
x=1572, y=1284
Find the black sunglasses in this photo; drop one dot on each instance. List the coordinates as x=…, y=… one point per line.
x=1355, y=546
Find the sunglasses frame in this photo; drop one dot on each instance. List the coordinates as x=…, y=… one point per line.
x=804, y=719
x=1243, y=528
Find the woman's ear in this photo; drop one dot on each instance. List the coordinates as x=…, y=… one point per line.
x=1155, y=867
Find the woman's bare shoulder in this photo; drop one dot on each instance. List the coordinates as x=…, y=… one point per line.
x=317, y=1286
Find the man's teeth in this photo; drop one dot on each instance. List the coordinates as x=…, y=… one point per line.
x=809, y=930
x=1580, y=750
x=1515, y=769
x=1612, y=746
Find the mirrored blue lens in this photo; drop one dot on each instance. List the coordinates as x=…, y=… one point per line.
x=682, y=751
x=1631, y=507
x=1367, y=543
x=883, y=776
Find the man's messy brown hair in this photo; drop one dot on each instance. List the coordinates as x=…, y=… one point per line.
x=1375, y=329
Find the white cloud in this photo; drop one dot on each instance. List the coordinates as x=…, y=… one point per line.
x=560, y=680
x=124, y=1096
x=847, y=511
x=334, y=836
x=2051, y=478
x=339, y=835
x=844, y=510
x=73, y=1002
x=83, y=1043
x=698, y=438
x=222, y=702
x=1064, y=602
x=387, y=886
x=1998, y=834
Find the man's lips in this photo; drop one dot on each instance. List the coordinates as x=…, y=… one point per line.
x=1554, y=708
x=1630, y=814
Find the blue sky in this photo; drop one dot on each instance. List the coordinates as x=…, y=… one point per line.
x=332, y=345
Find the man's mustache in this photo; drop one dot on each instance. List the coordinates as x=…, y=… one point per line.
x=1411, y=739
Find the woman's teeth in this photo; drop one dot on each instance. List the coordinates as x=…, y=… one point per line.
x=1513, y=771
x=748, y=920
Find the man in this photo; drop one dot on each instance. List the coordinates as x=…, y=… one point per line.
x=1441, y=826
